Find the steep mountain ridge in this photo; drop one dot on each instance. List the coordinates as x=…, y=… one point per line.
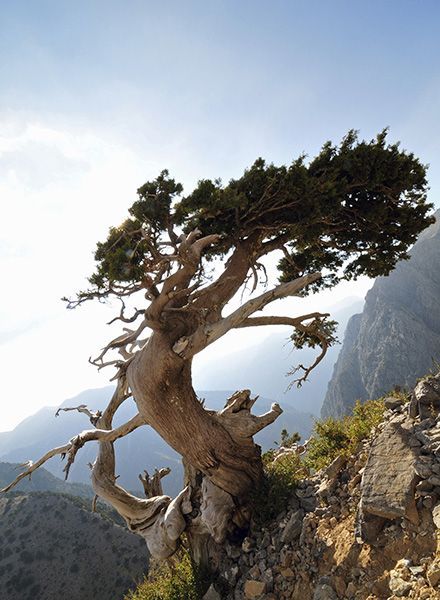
x=42, y=481
x=396, y=339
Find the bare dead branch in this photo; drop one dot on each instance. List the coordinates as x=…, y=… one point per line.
x=71, y=448
x=111, y=290
x=94, y=416
x=129, y=336
x=123, y=318
x=34, y=466
x=153, y=485
x=120, y=395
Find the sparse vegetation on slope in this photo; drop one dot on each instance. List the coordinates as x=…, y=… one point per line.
x=52, y=546
x=331, y=438
x=335, y=437
x=178, y=581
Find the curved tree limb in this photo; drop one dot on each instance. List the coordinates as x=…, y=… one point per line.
x=220, y=291
x=205, y=335
x=31, y=466
x=129, y=336
x=137, y=313
x=276, y=320
x=71, y=448
x=190, y=251
x=297, y=323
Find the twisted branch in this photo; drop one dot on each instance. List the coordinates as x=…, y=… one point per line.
x=71, y=448
x=187, y=347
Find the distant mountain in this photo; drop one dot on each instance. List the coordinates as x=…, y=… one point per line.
x=143, y=449
x=42, y=481
x=396, y=339
x=263, y=367
x=53, y=548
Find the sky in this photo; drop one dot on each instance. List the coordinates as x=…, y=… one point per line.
x=99, y=96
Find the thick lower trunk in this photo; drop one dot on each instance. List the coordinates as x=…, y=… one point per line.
x=208, y=526
x=161, y=384
x=222, y=463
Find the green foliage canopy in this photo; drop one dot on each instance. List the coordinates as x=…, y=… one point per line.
x=353, y=210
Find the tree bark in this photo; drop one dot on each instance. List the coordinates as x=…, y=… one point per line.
x=222, y=463
x=162, y=388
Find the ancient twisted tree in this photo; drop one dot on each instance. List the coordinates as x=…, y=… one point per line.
x=177, y=262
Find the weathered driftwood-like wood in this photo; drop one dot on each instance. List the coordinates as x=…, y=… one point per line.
x=202, y=509
x=153, y=484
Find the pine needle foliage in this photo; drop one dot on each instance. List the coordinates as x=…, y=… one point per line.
x=354, y=209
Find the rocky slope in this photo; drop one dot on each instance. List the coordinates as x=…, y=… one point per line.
x=52, y=548
x=396, y=339
x=367, y=527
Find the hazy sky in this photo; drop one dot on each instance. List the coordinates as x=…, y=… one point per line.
x=97, y=97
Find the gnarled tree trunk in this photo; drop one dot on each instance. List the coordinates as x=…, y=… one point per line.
x=222, y=463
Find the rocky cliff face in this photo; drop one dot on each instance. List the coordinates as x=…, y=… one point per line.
x=396, y=339
x=365, y=528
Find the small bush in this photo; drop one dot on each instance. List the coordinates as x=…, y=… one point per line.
x=280, y=479
x=165, y=583
x=331, y=438
x=288, y=440
x=334, y=437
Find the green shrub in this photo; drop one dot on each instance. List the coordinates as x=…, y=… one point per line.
x=288, y=440
x=280, y=479
x=331, y=438
x=334, y=437
x=163, y=582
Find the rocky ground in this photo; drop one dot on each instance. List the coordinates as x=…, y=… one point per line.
x=365, y=528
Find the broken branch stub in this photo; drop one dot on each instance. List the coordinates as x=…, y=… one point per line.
x=153, y=485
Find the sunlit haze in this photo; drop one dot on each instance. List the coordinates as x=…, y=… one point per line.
x=97, y=97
